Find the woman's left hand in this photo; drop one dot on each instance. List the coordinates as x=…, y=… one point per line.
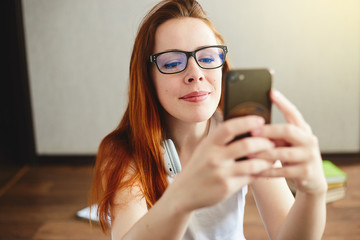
x=296, y=147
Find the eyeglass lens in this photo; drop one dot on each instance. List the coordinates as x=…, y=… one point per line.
x=173, y=62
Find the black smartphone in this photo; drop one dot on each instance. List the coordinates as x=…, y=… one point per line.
x=247, y=92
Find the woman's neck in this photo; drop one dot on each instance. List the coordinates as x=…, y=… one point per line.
x=186, y=136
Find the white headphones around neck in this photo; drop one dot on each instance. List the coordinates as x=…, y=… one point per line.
x=171, y=158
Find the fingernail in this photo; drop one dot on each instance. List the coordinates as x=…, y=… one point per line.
x=256, y=132
x=275, y=93
x=260, y=120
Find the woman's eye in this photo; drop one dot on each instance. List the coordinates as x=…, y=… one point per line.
x=206, y=60
x=171, y=65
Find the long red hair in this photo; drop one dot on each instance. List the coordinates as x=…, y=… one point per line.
x=135, y=146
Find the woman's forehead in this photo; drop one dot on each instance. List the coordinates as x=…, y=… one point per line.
x=185, y=34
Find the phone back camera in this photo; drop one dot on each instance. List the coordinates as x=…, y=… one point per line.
x=232, y=78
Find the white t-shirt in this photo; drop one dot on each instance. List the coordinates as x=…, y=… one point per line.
x=223, y=221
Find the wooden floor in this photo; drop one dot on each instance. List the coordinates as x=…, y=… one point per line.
x=42, y=201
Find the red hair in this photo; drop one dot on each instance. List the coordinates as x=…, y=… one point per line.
x=135, y=146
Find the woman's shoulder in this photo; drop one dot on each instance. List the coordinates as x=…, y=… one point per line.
x=114, y=154
x=116, y=140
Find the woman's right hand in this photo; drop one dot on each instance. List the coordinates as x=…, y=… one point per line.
x=212, y=174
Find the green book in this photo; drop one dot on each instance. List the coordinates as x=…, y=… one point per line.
x=333, y=174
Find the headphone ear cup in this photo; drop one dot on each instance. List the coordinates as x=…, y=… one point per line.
x=171, y=158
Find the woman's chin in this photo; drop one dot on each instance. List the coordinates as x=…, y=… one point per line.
x=200, y=116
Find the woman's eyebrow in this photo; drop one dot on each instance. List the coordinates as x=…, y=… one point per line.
x=180, y=50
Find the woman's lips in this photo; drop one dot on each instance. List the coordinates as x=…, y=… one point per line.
x=197, y=96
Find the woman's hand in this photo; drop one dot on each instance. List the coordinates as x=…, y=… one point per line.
x=296, y=147
x=212, y=174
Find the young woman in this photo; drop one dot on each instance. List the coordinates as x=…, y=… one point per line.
x=175, y=92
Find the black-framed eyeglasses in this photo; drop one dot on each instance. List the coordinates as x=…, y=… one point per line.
x=171, y=62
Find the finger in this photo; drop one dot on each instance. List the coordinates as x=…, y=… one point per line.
x=247, y=146
x=290, y=111
x=231, y=128
x=285, y=154
x=286, y=172
x=249, y=167
x=287, y=132
x=280, y=143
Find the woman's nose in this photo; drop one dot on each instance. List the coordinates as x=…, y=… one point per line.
x=193, y=71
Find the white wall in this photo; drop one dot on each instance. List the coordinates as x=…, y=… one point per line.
x=313, y=47
x=78, y=53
